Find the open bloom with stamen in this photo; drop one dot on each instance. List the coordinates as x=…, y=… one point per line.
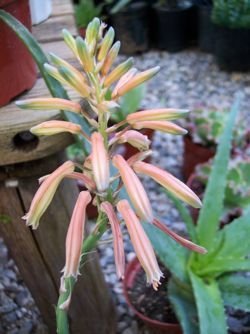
x=117, y=238
x=45, y=193
x=135, y=189
x=156, y=115
x=75, y=235
x=100, y=162
x=162, y=126
x=168, y=181
x=141, y=244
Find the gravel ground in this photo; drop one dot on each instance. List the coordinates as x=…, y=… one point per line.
x=186, y=80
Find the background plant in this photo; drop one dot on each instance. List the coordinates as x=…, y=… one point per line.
x=231, y=13
x=201, y=286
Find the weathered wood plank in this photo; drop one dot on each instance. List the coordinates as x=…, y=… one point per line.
x=62, y=7
x=51, y=30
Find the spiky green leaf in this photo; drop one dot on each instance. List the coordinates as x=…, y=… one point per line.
x=184, y=306
x=209, y=305
x=210, y=213
x=235, y=291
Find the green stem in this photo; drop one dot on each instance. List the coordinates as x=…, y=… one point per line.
x=88, y=244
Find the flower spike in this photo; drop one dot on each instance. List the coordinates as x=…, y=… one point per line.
x=141, y=244
x=45, y=193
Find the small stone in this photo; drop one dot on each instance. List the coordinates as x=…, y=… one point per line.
x=128, y=331
x=22, y=298
x=26, y=328
x=130, y=256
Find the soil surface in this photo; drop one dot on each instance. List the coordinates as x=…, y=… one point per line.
x=151, y=303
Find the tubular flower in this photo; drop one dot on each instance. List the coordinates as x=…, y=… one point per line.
x=53, y=127
x=75, y=235
x=117, y=237
x=132, y=137
x=135, y=189
x=168, y=181
x=100, y=162
x=163, y=126
x=184, y=242
x=45, y=193
x=156, y=115
x=141, y=244
x=51, y=103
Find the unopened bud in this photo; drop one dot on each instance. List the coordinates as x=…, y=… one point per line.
x=111, y=57
x=106, y=44
x=118, y=72
x=85, y=57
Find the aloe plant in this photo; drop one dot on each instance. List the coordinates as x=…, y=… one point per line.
x=201, y=285
x=237, y=192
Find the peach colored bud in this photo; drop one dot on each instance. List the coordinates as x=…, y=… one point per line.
x=53, y=72
x=84, y=54
x=51, y=103
x=75, y=235
x=184, y=242
x=100, y=162
x=141, y=244
x=75, y=81
x=117, y=238
x=163, y=126
x=111, y=57
x=139, y=157
x=45, y=193
x=137, y=80
x=118, y=72
x=53, y=127
x=106, y=44
x=168, y=181
x=156, y=115
x=124, y=79
x=135, y=189
x=134, y=138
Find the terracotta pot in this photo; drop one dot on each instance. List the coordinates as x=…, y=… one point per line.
x=156, y=327
x=81, y=31
x=17, y=68
x=194, y=154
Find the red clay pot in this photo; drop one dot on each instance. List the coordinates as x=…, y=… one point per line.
x=17, y=68
x=91, y=210
x=155, y=326
x=194, y=154
x=81, y=31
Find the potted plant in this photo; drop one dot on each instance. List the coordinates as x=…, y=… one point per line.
x=232, y=46
x=201, y=287
x=85, y=12
x=16, y=63
x=206, y=28
x=130, y=21
x=172, y=24
x=237, y=192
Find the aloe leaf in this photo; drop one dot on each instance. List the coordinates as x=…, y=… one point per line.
x=224, y=265
x=236, y=238
x=235, y=291
x=172, y=255
x=40, y=58
x=209, y=305
x=184, y=307
x=210, y=213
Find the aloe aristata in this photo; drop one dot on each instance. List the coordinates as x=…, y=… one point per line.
x=102, y=84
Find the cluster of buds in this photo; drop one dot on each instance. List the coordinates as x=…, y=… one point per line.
x=101, y=85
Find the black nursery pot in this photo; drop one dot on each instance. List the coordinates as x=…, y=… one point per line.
x=131, y=27
x=172, y=30
x=206, y=29
x=232, y=49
